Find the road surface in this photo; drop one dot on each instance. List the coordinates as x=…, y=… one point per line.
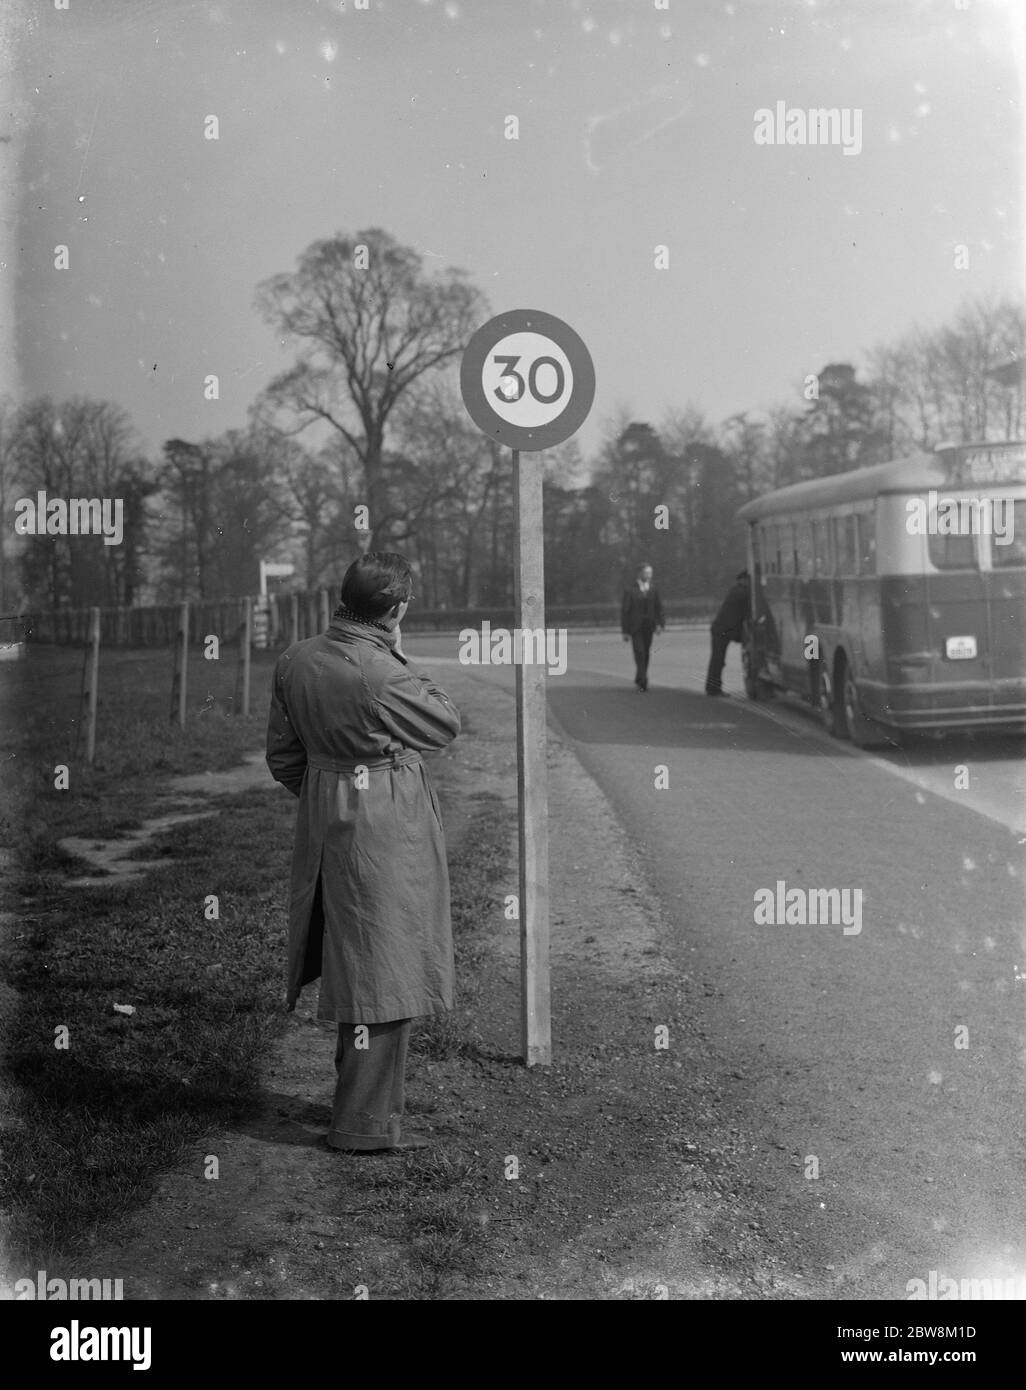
x=892, y=1057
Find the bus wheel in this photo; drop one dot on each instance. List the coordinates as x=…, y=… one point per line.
x=753, y=685
x=830, y=711
x=863, y=732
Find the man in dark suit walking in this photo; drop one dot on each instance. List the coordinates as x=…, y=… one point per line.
x=641, y=614
x=727, y=627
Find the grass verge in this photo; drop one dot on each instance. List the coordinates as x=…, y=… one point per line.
x=104, y=1101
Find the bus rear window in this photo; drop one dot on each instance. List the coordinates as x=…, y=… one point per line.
x=952, y=552
x=1011, y=554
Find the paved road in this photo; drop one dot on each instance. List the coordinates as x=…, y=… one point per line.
x=833, y=1045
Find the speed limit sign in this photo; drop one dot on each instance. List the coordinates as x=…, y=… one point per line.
x=527, y=380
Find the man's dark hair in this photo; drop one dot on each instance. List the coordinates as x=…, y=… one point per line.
x=643, y=566
x=375, y=583
x=742, y=574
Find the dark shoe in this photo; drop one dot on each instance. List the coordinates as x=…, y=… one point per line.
x=714, y=692
x=403, y=1145
x=412, y=1141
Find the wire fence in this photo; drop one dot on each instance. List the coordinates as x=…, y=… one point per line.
x=280, y=619
x=246, y=623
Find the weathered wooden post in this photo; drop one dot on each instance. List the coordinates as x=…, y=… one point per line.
x=94, y=682
x=178, y=680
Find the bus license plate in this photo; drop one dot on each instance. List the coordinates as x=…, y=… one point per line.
x=961, y=648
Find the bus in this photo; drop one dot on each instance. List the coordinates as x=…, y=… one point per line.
x=891, y=597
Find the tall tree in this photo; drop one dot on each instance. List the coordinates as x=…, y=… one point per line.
x=222, y=512
x=840, y=429
x=745, y=443
x=370, y=324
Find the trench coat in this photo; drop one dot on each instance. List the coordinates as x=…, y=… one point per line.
x=369, y=894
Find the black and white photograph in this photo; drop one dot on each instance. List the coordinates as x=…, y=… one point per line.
x=512, y=669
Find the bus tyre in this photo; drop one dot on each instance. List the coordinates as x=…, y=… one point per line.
x=863, y=732
x=751, y=680
x=756, y=687
x=830, y=710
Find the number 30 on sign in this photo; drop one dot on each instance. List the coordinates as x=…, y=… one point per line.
x=527, y=380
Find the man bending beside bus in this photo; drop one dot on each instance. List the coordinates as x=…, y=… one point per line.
x=727, y=627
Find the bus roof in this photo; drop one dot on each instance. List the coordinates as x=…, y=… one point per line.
x=950, y=466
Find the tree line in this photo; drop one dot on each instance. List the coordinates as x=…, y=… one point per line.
x=364, y=443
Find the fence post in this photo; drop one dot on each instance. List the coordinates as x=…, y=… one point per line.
x=293, y=618
x=325, y=610
x=178, y=681
x=94, y=680
x=246, y=638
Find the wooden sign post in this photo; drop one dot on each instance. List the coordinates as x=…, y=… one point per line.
x=532, y=784
x=528, y=381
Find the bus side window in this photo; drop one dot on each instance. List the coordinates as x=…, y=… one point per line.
x=865, y=531
x=785, y=555
x=1011, y=554
x=803, y=550
x=821, y=556
x=844, y=545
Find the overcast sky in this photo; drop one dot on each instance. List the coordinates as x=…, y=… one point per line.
x=636, y=128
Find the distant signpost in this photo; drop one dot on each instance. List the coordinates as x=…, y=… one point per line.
x=528, y=382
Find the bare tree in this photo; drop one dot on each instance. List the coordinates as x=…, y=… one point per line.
x=744, y=441
x=370, y=324
x=81, y=448
x=940, y=384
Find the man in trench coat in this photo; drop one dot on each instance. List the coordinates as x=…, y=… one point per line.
x=369, y=902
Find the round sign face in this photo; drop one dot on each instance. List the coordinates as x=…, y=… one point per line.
x=527, y=380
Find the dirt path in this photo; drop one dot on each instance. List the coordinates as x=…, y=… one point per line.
x=616, y=1173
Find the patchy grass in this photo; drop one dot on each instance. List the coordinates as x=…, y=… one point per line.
x=99, y=1117
x=95, y=1122
x=137, y=746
